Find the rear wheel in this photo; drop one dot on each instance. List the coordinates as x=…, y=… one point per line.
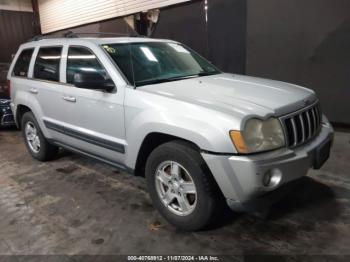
x=181, y=186
x=36, y=143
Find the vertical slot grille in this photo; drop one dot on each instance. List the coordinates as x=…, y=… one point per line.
x=302, y=126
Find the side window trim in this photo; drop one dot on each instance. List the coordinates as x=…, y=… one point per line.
x=63, y=66
x=32, y=65
x=30, y=62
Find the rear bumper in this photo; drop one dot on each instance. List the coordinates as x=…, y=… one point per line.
x=241, y=178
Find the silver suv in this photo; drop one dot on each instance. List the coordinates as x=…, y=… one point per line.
x=155, y=108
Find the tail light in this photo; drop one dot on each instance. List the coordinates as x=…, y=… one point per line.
x=9, y=88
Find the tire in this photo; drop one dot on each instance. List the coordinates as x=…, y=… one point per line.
x=202, y=206
x=45, y=151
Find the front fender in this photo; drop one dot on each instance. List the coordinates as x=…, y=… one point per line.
x=207, y=135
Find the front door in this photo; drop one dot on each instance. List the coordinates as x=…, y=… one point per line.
x=95, y=116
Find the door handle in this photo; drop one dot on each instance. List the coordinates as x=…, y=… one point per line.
x=33, y=90
x=70, y=98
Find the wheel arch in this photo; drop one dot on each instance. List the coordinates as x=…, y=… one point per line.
x=20, y=111
x=152, y=141
x=24, y=104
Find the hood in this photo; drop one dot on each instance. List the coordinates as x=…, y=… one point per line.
x=236, y=94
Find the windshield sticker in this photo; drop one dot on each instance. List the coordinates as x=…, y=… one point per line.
x=109, y=49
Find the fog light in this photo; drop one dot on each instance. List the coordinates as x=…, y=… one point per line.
x=272, y=178
x=267, y=178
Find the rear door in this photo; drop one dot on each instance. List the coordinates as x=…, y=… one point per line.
x=45, y=85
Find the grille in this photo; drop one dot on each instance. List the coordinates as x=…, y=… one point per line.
x=302, y=125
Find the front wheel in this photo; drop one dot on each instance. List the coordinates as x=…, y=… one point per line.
x=181, y=186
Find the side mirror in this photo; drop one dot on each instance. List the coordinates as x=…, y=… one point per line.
x=93, y=80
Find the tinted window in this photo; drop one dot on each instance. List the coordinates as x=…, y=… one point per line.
x=47, y=64
x=22, y=65
x=82, y=61
x=157, y=62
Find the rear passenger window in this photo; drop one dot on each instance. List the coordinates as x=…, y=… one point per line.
x=47, y=64
x=82, y=61
x=22, y=64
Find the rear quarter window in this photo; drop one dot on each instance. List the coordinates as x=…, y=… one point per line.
x=22, y=64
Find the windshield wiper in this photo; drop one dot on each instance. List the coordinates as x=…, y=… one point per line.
x=175, y=78
x=164, y=80
x=207, y=73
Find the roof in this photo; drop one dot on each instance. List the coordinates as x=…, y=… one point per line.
x=96, y=40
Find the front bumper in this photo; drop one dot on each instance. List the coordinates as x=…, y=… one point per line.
x=240, y=178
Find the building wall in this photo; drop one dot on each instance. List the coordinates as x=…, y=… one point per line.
x=227, y=34
x=15, y=28
x=190, y=29
x=225, y=47
x=304, y=42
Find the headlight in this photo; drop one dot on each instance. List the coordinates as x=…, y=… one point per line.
x=259, y=135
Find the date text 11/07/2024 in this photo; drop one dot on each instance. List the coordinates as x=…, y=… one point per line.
x=173, y=258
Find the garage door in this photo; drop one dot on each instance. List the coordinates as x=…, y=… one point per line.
x=61, y=14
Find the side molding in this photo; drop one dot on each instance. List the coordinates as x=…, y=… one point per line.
x=111, y=145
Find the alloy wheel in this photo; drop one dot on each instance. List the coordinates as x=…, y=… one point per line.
x=32, y=137
x=176, y=188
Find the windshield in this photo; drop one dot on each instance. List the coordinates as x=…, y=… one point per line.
x=157, y=62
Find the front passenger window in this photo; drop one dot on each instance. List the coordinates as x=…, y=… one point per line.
x=85, y=71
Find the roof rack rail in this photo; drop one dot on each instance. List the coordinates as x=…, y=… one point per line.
x=71, y=34
x=133, y=34
x=36, y=38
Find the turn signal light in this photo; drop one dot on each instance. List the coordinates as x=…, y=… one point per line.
x=238, y=141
